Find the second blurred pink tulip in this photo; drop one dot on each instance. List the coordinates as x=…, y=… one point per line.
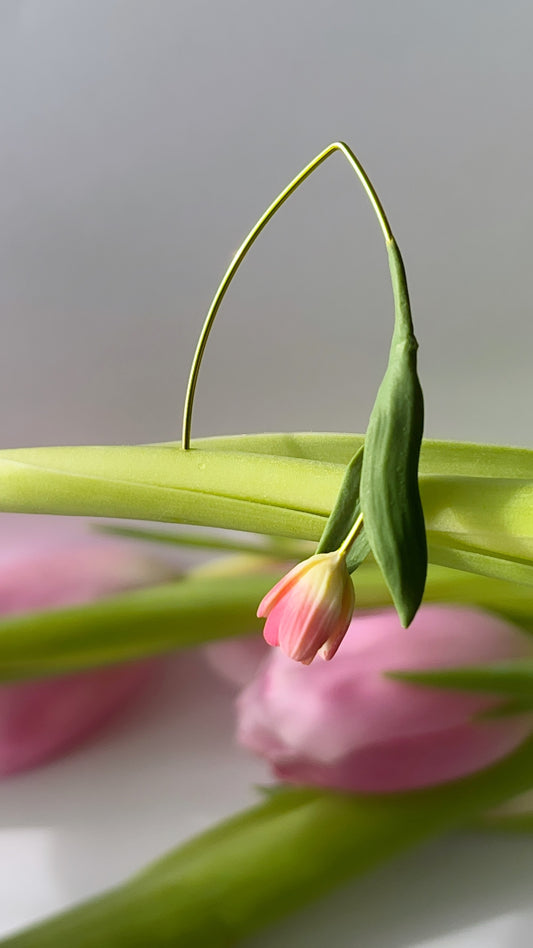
x=52, y=565
x=347, y=726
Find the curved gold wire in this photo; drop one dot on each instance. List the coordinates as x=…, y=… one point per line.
x=244, y=248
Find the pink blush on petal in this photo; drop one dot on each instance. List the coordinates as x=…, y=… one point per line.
x=398, y=765
x=278, y=592
x=271, y=629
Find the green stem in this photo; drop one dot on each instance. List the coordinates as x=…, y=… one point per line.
x=201, y=609
x=245, y=247
x=352, y=535
x=280, y=496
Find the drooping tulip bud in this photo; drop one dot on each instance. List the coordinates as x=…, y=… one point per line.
x=309, y=610
x=350, y=727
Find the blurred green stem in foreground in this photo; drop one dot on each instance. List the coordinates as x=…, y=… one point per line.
x=202, y=608
x=268, y=861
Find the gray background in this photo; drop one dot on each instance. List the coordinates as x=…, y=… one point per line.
x=139, y=142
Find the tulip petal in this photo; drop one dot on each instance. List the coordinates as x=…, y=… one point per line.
x=271, y=630
x=285, y=584
x=329, y=649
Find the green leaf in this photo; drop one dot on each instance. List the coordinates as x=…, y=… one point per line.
x=390, y=498
x=457, y=458
x=519, y=823
x=494, y=514
x=513, y=816
x=282, y=549
x=343, y=516
x=132, y=625
x=260, y=494
x=458, y=553
x=507, y=709
x=271, y=860
x=280, y=496
x=513, y=679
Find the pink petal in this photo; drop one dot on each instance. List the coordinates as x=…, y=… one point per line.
x=412, y=762
x=271, y=629
x=281, y=588
x=330, y=648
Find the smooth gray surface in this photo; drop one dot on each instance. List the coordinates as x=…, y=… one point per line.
x=141, y=140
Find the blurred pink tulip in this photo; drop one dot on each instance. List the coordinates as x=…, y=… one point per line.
x=348, y=727
x=43, y=719
x=50, y=567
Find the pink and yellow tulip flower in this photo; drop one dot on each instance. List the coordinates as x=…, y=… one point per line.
x=308, y=612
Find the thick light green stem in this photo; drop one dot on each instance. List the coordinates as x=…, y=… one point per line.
x=260, y=492
x=248, y=243
x=280, y=495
